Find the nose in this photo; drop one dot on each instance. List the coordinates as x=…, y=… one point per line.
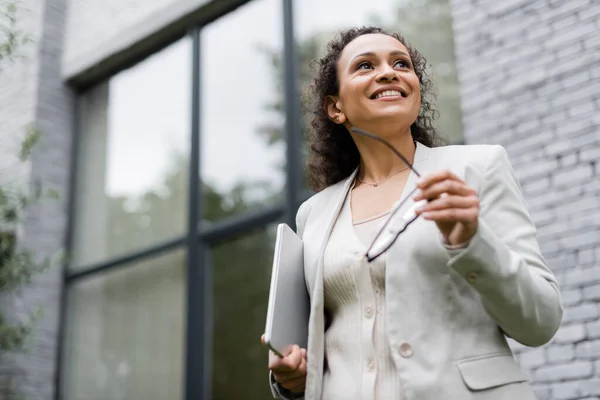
x=387, y=74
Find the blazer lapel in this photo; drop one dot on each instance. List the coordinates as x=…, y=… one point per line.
x=422, y=163
x=325, y=220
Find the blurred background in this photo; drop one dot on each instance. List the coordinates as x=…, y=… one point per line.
x=173, y=132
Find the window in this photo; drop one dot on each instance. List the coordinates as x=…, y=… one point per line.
x=242, y=110
x=133, y=158
x=125, y=332
x=242, y=275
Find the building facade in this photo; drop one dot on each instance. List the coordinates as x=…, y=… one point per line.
x=173, y=131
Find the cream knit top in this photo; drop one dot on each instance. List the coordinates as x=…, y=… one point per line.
x=358, y=360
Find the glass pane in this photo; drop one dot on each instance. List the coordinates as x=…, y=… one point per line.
x=133, y=158
x=242, y=110
x=125, y=333
x=426, y=24
x=242, y=275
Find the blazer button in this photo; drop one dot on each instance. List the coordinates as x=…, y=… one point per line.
x=371, y=365
x=406, y=350
x=472, y=277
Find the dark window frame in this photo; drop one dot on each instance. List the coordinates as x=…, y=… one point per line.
x=200, y=235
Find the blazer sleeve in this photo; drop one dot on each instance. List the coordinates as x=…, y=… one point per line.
x=280, y=392
x=503, y=261
x=302, y=217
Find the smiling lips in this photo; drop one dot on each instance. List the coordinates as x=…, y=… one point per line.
x=389, y=93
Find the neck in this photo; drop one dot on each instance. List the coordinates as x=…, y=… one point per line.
x=377, y=161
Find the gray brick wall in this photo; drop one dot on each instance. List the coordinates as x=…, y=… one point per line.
x=18, y=95
x=18, y=85
x=36, y=94
x=530, y=81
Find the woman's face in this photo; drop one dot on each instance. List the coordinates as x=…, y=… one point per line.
x=377, y=83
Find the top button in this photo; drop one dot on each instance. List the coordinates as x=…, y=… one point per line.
x=406, y=350
x=369, y=312
x=472, y=277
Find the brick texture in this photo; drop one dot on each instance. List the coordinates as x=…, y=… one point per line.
x=530, y=81
x=18, y=85
x=18, y=96
x=34, y=93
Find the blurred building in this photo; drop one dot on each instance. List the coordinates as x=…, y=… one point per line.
x=173, y=132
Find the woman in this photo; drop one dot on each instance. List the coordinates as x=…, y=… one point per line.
x=428, y=318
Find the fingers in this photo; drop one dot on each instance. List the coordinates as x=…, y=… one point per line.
x=465, y=215
x=290, y=371
x=262, y=339
x=439, y=176
x=288, y=378
x=435, y=189
x=455, y=205
x=289, y=363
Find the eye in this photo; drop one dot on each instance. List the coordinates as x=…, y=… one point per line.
x=364, y=65
x=401, y=64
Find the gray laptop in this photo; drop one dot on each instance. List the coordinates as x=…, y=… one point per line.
x=289, y=304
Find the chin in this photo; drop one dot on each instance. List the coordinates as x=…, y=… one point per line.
x=388, y=126
x=394, y=117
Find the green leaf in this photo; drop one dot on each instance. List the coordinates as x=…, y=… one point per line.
x=32, y=137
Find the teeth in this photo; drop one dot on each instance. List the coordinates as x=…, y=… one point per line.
x=388, y=93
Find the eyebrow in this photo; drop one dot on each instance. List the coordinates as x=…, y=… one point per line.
x=371, y=54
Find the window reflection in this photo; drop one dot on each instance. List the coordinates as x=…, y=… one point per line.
x=426, y=24
x=242, y=275
x=242, y=110
x=133, y=158
x=125, y=333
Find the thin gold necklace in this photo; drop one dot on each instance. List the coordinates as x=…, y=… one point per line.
x=375, y=184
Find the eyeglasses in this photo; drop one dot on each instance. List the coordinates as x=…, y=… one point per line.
x=396, y=223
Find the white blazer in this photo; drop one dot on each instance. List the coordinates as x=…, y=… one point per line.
x=453, y=309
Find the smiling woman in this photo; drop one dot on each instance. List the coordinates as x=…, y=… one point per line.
x=357, y=64
x=428, y=316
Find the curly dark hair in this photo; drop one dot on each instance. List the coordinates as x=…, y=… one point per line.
x=333, y=154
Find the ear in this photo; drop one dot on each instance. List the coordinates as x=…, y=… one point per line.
x=333, y=108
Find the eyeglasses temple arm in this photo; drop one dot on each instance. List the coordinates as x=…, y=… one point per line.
x=396, y=152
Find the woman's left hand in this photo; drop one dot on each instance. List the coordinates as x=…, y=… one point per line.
x=453, y=205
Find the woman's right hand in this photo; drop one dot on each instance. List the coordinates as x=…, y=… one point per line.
x=289, y=371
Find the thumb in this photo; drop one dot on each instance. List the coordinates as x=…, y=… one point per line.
x=294, y=359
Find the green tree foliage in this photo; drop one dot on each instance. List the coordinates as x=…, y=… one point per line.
x=18, y=264
x=11, y=38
